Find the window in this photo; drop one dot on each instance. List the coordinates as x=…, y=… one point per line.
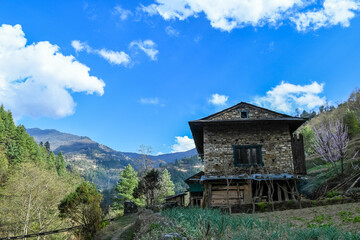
x=244, y=113
x=247, y=155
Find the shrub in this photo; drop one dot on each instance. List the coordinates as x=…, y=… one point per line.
x=332, y=194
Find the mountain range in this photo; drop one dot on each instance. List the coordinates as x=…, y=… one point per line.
x=95, y=161
x=72, y=144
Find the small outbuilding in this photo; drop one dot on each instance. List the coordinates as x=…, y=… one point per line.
x=196, y=189
x=178, y=198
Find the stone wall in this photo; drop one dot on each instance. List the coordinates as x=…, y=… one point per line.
x=274, y=138
x=254, y=113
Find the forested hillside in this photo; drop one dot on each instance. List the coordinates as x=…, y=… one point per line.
x=33, y=182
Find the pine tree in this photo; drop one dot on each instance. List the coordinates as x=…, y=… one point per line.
x=127, y=183
x=151, y=185
x=47, y=146
x=167, y=187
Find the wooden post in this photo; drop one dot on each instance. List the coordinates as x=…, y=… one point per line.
x=286, y=194
x=209, y=195
x=238, y=192
x=261, y=191
x=279, y=192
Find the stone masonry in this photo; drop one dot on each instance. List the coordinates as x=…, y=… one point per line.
x=274, y=138
x=218, y=148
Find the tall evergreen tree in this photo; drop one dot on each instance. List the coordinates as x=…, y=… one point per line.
x=167, y=187
x=47, y=146
x=151, y=184
x=126, y=185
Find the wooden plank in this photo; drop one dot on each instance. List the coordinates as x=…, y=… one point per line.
x=225, y=187
x=224, y=194
x=224, y=202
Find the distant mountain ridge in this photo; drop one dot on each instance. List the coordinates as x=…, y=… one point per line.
x=94, y=161
x=72, y=144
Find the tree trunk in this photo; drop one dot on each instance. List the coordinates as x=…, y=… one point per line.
x=27, y=218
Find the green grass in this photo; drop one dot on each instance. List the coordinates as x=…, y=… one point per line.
x=196, y=223
x=317, y=167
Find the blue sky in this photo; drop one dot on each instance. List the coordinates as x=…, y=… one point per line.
x=140, y=70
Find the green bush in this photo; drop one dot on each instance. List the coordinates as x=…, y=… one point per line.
x=332, y=194
x=262, y=206
x=352, y=123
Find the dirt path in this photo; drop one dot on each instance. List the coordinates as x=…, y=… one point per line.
x=116, y=228
x=120, y=231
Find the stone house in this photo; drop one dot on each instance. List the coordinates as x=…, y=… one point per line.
x=250, y=154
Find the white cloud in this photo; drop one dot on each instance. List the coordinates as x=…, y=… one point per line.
x=172, y=32
x=218, y=99
x=286, y=97
x=333, y=12
x=182, y=144
x=122, y=13
x=147, y=46
x=36, y=79
x=113, y=57
x=153, y=101
x=79, y=46
x=229, y=14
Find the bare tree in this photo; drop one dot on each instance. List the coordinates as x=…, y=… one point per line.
x=30, y=199
x=145, y=162
x=255, y=195
x=270, y=187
